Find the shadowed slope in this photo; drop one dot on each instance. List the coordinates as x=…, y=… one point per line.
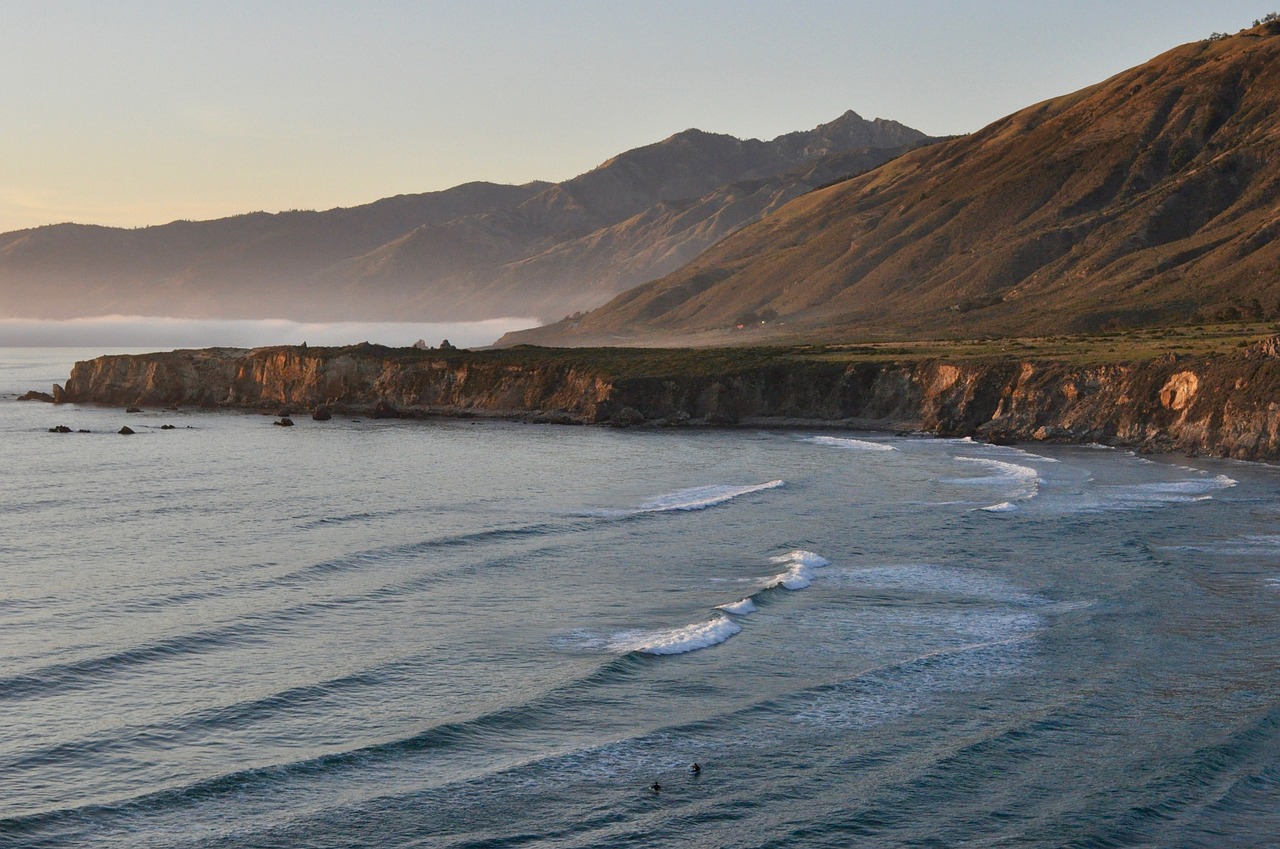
x=473, y=252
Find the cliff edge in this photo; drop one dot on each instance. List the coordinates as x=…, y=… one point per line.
x=1224, y=405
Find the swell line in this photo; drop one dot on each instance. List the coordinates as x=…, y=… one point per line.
x=550, y=705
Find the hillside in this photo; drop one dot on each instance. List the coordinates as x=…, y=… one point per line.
x=475, y=251
x=1150, y=198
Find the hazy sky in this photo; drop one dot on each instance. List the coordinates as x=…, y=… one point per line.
x=133, y=113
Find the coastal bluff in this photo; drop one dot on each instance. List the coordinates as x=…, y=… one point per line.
x=1225, y=405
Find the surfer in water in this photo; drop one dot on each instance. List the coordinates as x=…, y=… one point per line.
x=695, y=769
x=655, y=787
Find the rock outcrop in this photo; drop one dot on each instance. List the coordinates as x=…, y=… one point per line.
x=1223, y=405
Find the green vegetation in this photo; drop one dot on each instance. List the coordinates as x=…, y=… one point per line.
x=1122, y=346
x=1126, y=346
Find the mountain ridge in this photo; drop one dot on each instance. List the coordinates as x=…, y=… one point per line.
x=433, y=256
x=1146, y=198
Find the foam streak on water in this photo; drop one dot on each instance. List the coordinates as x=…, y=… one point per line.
x=693, y=498
x=1020, y=482
x=850, y=443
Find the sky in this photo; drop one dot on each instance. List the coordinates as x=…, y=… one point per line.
x=128, y=113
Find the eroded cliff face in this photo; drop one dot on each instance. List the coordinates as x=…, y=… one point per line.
x=363, y=378
x=1223, y=405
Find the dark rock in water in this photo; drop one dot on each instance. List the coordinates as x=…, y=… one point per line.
x=553, y=417
x=60, y=429
x=677, y=419
x=59, y=394
x=132, y=410
x=125, y=431
x=167, y=427
x=385, y=410
x=33, y=395
x=284, y=421
x=322, y=414
x=84, y=430
x=626, y=417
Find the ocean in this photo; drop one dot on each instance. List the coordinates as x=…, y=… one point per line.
x=473, y=633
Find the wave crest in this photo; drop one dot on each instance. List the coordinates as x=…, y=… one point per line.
x=799, y=574
x=699, y=635
x=683, y=500
x=850, y=444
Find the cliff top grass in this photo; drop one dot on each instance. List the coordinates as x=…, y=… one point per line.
x=1130, y=346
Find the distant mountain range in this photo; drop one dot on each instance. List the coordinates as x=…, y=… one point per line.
x=472, y=252
x=1150, y=198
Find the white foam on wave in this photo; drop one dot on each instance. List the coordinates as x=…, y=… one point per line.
x=799, y=573
x=741, y=607
x=849, y=443
x=1134, y=496
x=799, y=555
x=1023, y=481
x=699, y=635
x=1010, y=451
x=694, y=498
x=1002, y=507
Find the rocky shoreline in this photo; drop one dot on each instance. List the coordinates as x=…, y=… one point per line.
x=1222, y=405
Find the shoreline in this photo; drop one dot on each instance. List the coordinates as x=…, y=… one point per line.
x=1220, y=404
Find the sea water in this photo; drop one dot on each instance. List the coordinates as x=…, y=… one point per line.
x=464, y=633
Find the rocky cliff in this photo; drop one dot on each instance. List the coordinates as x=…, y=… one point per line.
x=1223, y=405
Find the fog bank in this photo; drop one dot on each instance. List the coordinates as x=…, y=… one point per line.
x=132, y=331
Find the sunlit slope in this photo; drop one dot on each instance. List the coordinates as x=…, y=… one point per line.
x=1151, y=197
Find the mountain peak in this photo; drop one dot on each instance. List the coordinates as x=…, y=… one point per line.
x=1146, y=198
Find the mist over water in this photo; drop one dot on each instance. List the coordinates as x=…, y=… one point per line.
x=475, y=633
x=154, y=333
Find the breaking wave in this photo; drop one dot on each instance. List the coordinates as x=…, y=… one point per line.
x=694, y=498
x=699, y=635
x=850, y=443
x=711, y=632
x=799, y=572
x=1159, y=493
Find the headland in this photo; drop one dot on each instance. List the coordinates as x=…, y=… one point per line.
x=1215, y=395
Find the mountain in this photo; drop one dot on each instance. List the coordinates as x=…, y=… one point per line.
x=1149, y=198
x=231, y=267
x=475, y=251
